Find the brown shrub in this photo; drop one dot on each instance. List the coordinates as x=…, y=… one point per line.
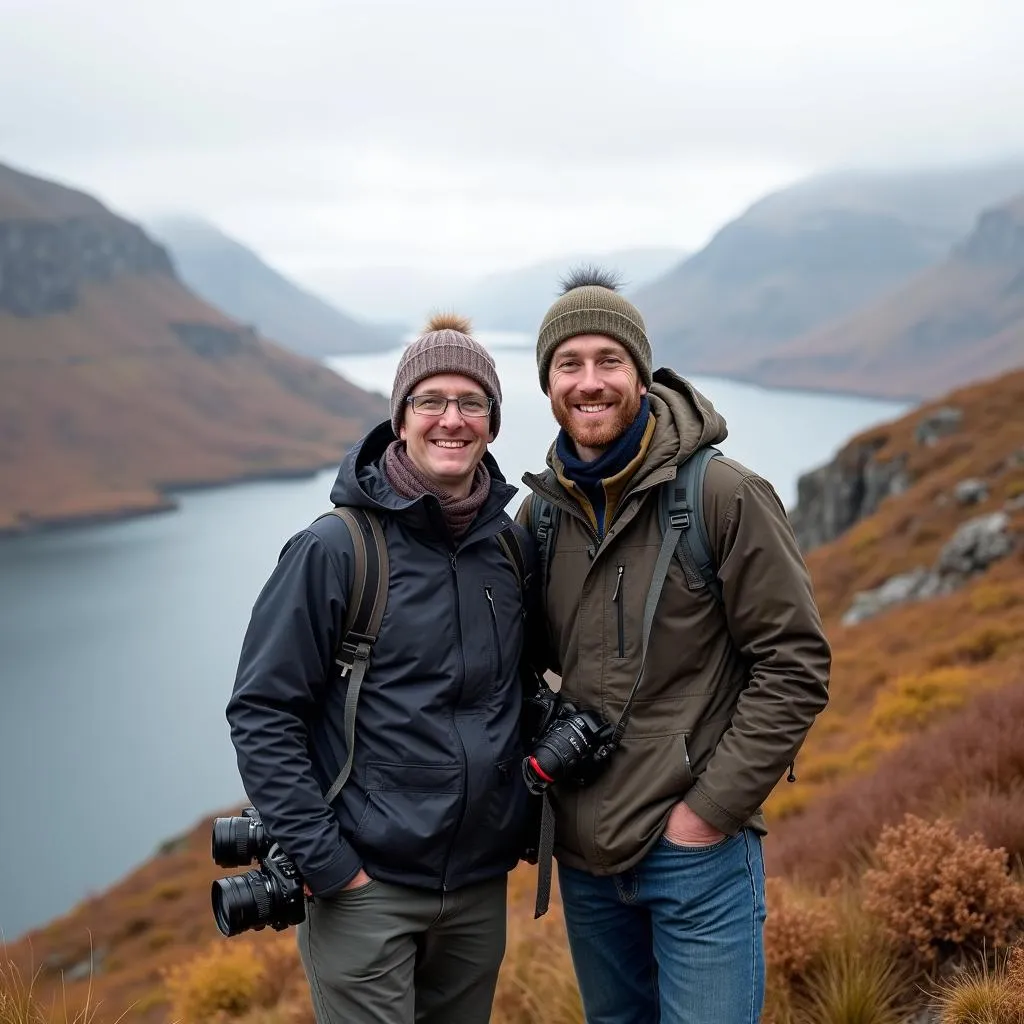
x=222, y=982
x=981, y=750
x=996, y=815
x=796, y=929
x=936, y=893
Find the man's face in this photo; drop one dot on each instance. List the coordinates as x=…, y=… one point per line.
x=448, y=447
x=595, y=390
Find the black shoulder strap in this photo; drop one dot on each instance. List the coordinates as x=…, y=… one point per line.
x=366, y=604
x=509, y=541
x=544, y=526
x=682, y=506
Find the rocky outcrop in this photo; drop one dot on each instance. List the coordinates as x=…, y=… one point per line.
x=835, y=496
x=938, y=424
x=838, y=495
x=971, y=550
x=44, y=263
x=997, y=239
x=213, y=342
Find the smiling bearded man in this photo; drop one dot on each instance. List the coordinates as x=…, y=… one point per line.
x=680, y=612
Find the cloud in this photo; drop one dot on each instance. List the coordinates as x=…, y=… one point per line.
x=462, y=130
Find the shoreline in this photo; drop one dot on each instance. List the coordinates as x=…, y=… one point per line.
x=166, y=492
x=164, y=500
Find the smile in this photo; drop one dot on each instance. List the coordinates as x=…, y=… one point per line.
x=450, y=444
x=593, y=408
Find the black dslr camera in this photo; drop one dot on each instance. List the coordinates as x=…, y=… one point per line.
x=573, y=744
x=270, y=896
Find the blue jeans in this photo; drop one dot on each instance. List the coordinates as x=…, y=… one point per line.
x=675, y=940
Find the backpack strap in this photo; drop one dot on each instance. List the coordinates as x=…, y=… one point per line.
x=682, y=507
x=366, y=603
x=509, y=541
x=544, y=523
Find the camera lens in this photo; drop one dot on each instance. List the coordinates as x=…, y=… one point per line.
x=236, y=841
x=240, y=902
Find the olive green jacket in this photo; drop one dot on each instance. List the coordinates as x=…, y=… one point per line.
x=729, y=690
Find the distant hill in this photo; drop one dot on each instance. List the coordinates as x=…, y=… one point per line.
x=516, y=300
x=809, y=254
x=235, y=279
x=401, y=297
x=117, y=383
x=507, y=300
x=957, y=322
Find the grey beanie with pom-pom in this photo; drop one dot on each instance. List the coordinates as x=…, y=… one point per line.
x=445, y=346
x=590, y=303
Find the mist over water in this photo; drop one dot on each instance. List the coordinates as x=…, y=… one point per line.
x=118, y=643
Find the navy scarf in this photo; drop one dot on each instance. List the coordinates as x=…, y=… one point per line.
x=588, y=476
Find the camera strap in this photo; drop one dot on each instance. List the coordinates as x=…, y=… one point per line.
x=545, y=855
x=546, y=845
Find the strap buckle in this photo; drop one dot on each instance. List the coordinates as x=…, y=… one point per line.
x=355, y=646
x=679, y=520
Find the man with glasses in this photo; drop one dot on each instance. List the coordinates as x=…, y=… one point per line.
x=406, y=866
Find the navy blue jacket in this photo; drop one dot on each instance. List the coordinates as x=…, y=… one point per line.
x=436, y=797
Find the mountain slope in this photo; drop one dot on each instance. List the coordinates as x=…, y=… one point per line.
x=236, y=280
x=804, y=256
x=117, y=383
x=954, y=323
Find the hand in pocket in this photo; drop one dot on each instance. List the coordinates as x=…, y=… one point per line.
x=687, y=828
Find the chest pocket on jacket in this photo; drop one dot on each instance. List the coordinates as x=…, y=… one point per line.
x=498, y=660
x=502, y=606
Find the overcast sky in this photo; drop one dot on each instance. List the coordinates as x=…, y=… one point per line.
x=467, y=135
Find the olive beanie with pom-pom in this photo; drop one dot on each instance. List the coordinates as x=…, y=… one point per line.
x=590, y=303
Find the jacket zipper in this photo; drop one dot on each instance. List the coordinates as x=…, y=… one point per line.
x=620, y=603
x=455, y=728
x=494, y=631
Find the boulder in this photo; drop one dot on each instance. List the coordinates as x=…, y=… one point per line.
x=971, y=492
x=976, y=545
x=972, y=549
x=941, y=423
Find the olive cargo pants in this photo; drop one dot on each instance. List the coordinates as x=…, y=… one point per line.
x=388, y=954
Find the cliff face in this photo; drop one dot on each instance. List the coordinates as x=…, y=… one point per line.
x=45, y=264
x=835, y=496
x=117, y=383
x=917, y=507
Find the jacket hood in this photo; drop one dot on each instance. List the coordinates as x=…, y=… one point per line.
x=686, y=418
x=362, y=483
x=685, y=421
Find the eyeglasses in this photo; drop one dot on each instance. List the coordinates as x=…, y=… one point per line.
x=436, y=405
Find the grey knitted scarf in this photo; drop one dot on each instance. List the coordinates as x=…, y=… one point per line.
x=409, y=482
